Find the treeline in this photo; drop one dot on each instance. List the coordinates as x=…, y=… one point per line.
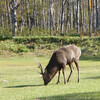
x=49, y=17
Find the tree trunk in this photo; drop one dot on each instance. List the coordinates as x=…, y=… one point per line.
x=22, y=15
x=89, y=13
x=8, y=15
x=97, y=20
x=50, y=16
x=94, y=16
x=84, y=15
x=68, y=15
x=2, y=19
x=62, y=16
x=71, y=14
x=81, y=17
x=14, y=17
x=28, y=16
x=78, y=25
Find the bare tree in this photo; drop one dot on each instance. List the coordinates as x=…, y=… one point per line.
x=22, y=15
x=97, y=15
x=14, y=4
x=89, y=12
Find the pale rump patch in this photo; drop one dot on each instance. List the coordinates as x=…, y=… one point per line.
x=72, y=54
x=78, y=53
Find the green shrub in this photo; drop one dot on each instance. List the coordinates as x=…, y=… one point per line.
x=4, y=31
x=51, y=46
x=25, y=44
x=63, y=34
x=74, y=35
x=22, y=48
x=13, y=47
x=2, y=37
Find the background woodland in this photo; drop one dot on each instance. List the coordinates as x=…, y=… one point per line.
x=49, y=17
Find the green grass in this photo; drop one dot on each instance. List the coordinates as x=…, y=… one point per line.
x=25, y=83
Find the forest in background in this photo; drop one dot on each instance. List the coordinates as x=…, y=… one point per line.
x=49, y=17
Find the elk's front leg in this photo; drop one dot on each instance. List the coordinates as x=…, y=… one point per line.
x=63, y=71
x=58, y=77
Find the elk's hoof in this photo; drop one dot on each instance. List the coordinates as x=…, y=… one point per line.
x=78, y=81
x=67, y=81
x=64, y=82
x=57, y=82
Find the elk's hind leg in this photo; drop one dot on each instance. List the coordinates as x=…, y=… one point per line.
x=77, y=65
x=71, y=68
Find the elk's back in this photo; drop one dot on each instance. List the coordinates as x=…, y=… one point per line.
x=67, y=54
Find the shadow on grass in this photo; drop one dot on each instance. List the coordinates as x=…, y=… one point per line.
x=93, y=58
x=22, y=86
x=74, y=96
x=97, y=77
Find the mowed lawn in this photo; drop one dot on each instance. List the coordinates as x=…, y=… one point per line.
x=20, y=80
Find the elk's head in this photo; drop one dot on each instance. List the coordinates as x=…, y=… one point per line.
x=45, y=74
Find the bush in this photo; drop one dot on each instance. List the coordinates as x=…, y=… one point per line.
x=22, y=48
x=51, y=46
x=25, y=44
x=65, y=40
x=74, y=34
x=13, y=47
x=2, y=37
x=4, y=31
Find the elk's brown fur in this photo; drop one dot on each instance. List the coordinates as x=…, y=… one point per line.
x=60, y=58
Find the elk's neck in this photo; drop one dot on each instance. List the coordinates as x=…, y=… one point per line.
x=52, y=66
x=52, y=72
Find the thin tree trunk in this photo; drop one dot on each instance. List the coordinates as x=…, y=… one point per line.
x=78, y=25
x=97, y=20
x=68, y=15
x=89, y=13
x=2, y=19
x=50, y=16
x=8, y=15
x=62, y=16
x=94, y=16
x=14, y=17
x=84, y=28
x=75, y=14
x=80, y=12
x=71, y=14
x=28, y=16
x=22, y=15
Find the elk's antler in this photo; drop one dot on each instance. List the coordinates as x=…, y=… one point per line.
x=40, y=66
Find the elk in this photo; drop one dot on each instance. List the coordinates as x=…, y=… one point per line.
x=60, y=58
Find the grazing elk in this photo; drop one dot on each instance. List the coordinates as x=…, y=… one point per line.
x=60, y=58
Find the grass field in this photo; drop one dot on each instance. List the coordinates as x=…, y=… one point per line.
x=20, y=80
